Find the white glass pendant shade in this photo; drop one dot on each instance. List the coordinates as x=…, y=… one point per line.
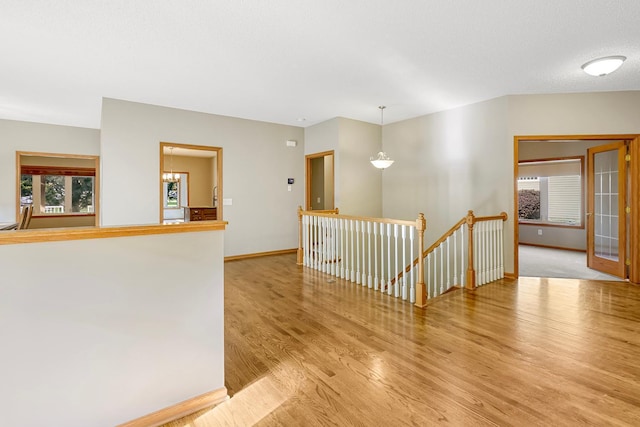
x=381, y=161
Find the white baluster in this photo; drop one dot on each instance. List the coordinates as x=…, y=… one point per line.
x=345, y=249
x=332, y=247
x=353, y=259
x=369, y=277
x=395, y=235
x=357, y=279
x=334, y=251
x=494, y=257
x=483, y=260
x=347, y=240
x=501, y=249
x=389, y=259
x=314, y=248
x=404, y=262
x=435, y=272
x=463, y=265
x=430, y=290
x=342, y=239
x=382, y=258
x=322, y=241
x=483, y=256
x=441, y=246
x=305, y=246
x=375, y=257
x=448, y=264
x=412, y=279
x=364, y=254
x=455, y=256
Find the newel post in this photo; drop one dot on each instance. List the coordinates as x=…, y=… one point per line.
x=299, y=260
x=421, y=288
x=471, y=273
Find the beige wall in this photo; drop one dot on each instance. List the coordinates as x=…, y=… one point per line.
x=256, y=165
x=448, y=163
x=462, y=159
x=357, y=184
x=200, y=177
x=324, y=137
x=37, y=137
x=329, y=182
x=360, y=183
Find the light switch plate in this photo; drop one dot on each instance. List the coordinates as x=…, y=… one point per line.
x=227, y=202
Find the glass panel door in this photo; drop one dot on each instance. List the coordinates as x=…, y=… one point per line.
x=605, y=217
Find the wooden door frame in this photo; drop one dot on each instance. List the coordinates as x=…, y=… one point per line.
x=217, y=150
x=633, y=219
x=307, y=170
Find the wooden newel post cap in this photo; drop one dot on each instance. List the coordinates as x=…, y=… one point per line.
x=421, y=223
x=470, y=218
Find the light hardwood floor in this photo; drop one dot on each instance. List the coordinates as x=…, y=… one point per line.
x=302, y=349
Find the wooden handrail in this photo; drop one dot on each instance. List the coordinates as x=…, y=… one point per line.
x=359, y=218
x=469, y=219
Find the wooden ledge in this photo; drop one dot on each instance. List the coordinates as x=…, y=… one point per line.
x=180, y=410
x=83, y=233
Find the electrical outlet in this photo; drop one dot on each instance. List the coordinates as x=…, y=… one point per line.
x=539, y=231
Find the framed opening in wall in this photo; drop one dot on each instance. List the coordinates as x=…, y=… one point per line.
x=196, y=180
x=62, y=188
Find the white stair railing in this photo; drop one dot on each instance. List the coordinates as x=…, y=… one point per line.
x=372, y=252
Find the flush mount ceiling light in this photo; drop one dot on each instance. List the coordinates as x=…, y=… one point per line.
x=603, y=66
x=381, y=160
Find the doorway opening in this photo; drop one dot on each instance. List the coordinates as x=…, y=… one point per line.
x=606, y=217
x=319, y=170
x=199, y=185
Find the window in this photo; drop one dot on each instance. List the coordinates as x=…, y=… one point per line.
x=171, y=195
x=57, y=190
x=551, y=191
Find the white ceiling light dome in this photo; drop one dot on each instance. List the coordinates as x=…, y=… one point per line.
x=603, y=66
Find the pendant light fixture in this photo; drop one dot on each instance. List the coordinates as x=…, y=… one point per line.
x=381, y=160
x=171, y=177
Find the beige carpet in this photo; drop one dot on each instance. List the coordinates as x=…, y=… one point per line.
x=544, y=262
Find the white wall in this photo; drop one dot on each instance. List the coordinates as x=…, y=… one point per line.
x=256, y=165
x=99, y=332
x=37, y=137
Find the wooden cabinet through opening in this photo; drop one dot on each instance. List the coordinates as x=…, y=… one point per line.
x=200, y=213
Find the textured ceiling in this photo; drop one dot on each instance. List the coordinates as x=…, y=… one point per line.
x=279, y=61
